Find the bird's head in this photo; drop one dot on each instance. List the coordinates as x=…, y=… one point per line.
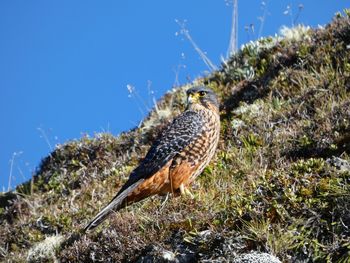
x=201, y=96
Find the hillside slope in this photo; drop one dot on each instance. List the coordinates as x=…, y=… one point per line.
x=280, y=181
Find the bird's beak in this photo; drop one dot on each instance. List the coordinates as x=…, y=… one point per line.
x=192, y=98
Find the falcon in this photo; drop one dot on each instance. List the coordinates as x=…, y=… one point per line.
x=176, y=158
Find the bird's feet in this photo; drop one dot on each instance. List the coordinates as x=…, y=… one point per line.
x=185, y=192
x=165, y=200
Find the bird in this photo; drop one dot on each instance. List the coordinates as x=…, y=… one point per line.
x=181, y=152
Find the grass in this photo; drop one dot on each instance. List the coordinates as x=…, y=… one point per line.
x=279, y=182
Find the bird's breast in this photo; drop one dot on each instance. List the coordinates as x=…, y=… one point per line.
x=188, y=164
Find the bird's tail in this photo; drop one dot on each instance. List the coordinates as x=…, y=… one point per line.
x=117, y=203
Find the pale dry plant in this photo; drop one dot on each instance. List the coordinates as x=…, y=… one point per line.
x=289, y=12
x=186, y=33
x=264, y=6
x=11, y=175
x=44, y=135
x=233, y=45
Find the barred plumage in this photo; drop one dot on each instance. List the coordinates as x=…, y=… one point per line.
x=176, y=158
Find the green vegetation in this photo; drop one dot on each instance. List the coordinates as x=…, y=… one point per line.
x=280, y=181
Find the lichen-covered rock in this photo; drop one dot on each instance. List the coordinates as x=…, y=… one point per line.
x=255, y=257
x=45, y=250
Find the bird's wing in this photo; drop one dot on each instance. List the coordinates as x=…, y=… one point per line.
x=185, y=129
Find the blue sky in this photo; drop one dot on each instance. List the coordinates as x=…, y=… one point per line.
x=65, y=65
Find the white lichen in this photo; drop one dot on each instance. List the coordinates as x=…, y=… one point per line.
x=168, y=255
x=252, y=110
x=297, y=33
x=45, y=250
x=256, y=257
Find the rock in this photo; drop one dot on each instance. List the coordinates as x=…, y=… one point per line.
x=339, y=163
x=256, y=257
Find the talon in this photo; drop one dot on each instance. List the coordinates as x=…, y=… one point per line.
x=185, y=191
x=164, y=202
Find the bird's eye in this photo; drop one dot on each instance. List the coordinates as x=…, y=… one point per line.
x=202, y=93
